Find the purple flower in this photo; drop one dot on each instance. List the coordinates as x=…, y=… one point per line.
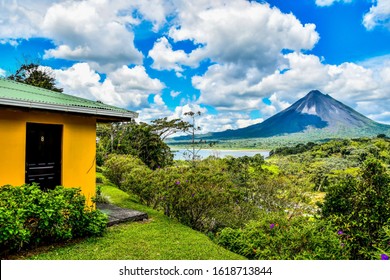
x=193, y=195
x=342, y=245
x=271, y=226
x=177, y=182
x=384, y=257
x=340, y=232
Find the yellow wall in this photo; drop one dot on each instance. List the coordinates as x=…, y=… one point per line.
x=78, y=148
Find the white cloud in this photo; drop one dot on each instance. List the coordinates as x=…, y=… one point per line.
x=21, y=19
x=276, y=106
x=124, y=87
x=224, y=87
x=164, y=58
x=158, y=109
x=241, y=32
x=135, y=78
x=214, y=122
x=244, y=41
x=96, y=31
x=12, y=42
x=175, y=94
x=2, y=72
x=378, y=15
x=91, y=31
x=206, y=121
x=326, y=3
x=155, y=11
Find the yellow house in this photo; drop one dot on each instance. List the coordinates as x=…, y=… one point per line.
x=49, y=137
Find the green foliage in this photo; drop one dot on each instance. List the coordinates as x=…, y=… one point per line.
x=160, y=238
x=215, y=194
x=210, y=194
x=140, y=140
x=198, y=196
x=275, y=236
x=35, y=75
x=129, y=173
x=30, y=216
x=299, y=148
x=360, y=207
x=118, y=166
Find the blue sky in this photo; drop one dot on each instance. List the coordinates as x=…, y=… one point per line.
x=237, y=61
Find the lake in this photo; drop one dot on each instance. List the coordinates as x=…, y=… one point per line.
x=221, y=153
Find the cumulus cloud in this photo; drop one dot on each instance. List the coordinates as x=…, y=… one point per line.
x=276, y=106
x=124, y=87
x=241, y=32
x=21, y=19
x=379, y=15
x=224, y=87
x=158, y=109
x=244, y=43
x=97, y=31
x=2, y=72
x=214, y=122
x=165, y=58
x=90, y=31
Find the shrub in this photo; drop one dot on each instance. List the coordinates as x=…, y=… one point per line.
x=30, y=216
x=360, y=207
x=118, y=166
x=200, y=196
x=209, y=194
x=276, y=237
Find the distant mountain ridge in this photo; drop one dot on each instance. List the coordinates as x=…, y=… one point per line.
x=314, y=111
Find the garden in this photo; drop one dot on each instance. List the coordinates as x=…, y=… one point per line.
x=314, y=201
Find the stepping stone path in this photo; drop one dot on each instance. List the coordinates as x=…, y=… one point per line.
x=118, y=215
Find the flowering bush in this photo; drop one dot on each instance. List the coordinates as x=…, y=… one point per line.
x=360, y=207
x=276, y=237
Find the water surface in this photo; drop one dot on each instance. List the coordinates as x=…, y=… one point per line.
x=179, y=154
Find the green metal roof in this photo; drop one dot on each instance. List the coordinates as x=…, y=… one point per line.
x=16, y=94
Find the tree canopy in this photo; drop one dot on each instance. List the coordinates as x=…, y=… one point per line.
x=35, y=75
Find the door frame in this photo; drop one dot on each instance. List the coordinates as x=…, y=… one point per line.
x=47, y=172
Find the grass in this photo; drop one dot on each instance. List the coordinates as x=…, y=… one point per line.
x=159, y=238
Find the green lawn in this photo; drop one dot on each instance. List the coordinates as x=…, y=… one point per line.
x=159, y=238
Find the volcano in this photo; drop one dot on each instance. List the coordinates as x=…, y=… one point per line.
x=314, y=111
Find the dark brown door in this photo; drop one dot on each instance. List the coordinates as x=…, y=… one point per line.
x=43, y=154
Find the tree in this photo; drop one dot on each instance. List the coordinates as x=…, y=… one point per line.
x=164, y=128
x=135, y=139
x=35, y=75
x=196, y=144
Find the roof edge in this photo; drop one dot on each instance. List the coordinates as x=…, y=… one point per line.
x=65, y=108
